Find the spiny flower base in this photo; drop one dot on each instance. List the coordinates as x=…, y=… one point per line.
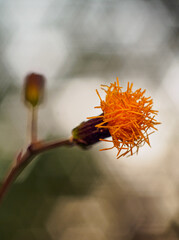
x=87, y=133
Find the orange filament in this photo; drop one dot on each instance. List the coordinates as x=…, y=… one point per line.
x=128, y=116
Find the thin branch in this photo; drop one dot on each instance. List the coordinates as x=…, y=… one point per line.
x=33, y=124
x=24, y=159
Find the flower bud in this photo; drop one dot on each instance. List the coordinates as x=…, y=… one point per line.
x=34, y=89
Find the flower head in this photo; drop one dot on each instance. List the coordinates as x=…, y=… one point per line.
x=129, y=117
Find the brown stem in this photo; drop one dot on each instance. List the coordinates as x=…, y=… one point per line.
x=23, y=160
x=34, y=124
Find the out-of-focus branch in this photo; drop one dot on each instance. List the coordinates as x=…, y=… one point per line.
x=34, y=124
x=23, y=159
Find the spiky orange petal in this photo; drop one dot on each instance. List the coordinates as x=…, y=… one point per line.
x=128, y=116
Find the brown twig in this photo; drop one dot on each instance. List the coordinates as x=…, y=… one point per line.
x=33, y=124
x=23, y=159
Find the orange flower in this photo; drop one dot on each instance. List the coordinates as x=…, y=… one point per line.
x=128, y=116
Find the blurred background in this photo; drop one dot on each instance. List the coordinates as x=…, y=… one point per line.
x=70, y=193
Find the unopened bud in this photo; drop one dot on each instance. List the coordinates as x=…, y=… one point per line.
x=34, y=89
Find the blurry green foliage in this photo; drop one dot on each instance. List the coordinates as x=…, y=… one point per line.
x=62, y=172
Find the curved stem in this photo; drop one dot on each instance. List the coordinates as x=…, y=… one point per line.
x=24, y=159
